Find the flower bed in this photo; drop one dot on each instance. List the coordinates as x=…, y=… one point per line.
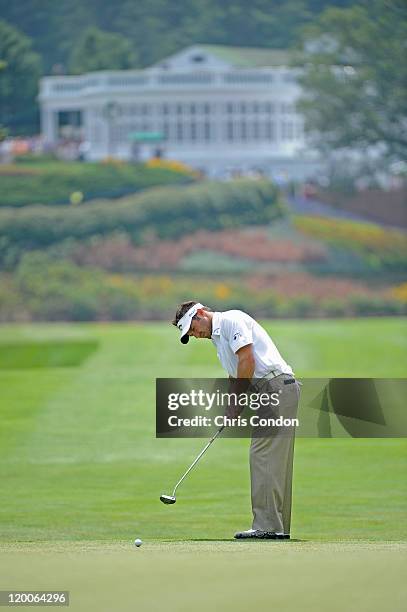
x=381, y=248
x=118, y=253
x=47, y=290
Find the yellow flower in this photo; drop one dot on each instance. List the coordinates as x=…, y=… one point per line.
x=114, y=161
x=76, y=197
x=170, y=164
x=165, y=283
x=400, y=292
x=222, y=291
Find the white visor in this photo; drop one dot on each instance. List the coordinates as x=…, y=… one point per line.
x=185, y=322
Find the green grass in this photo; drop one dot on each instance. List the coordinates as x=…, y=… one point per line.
x=81, y=473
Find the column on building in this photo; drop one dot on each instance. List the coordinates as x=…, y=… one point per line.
x=49, y=122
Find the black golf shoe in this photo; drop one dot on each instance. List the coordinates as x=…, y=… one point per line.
x=257, y=534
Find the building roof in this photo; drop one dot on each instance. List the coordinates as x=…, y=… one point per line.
x=249, y=57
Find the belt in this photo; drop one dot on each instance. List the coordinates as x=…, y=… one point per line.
x=275, y=373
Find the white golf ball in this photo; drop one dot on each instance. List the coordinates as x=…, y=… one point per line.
x=138, y=542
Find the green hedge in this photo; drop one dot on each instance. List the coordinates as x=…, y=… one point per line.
x=167, y=212
x=54, y=182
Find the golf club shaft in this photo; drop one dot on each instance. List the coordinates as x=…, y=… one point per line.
x=198, y=458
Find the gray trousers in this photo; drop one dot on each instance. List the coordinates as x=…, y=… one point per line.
x=271, y=463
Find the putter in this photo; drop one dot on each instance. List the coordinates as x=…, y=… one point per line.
x=171, y=499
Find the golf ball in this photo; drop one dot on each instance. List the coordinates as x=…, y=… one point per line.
x=138, y=542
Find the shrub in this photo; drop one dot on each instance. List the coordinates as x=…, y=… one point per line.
x=169, y=213
x=12, y=306
x=333, y=308
x=54, y=182
x=302, y=307
x=364, y=305
x=35, y=158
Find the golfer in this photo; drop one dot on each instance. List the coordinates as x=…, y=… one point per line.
x=246, y=351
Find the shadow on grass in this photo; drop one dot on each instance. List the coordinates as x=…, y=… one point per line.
x=235, y=540
x=53, y=353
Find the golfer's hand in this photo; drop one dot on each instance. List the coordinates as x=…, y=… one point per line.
x=233, y=411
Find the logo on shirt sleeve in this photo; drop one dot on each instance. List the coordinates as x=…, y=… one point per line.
x=236, y=336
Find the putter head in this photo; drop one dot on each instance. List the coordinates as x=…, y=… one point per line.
x=168, y=499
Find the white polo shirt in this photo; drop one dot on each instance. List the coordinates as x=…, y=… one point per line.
x=233, y=329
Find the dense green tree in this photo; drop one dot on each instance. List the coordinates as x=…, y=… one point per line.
x=54, y=27
x=98, y=50
x=159, y=27
x=19, y=76
x=355, y=77
x=173, y=25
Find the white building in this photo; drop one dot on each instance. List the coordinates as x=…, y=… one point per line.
x=217, y=108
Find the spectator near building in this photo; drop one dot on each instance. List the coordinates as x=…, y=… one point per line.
x=220, y=109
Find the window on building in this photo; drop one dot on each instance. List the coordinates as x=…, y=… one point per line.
x=192, y=108
x=165, y=109
x=184, y=79
x=207, y=130
x=287, y=108
x=239, y=77
x=290, y=130
x=230, y=130
x=118, y=134
x=207, y=108
x=243, y=130
x=180, y=132
x=255, y=130
x=243, y=107
x=255, y=107
x=179, y=109
x=229, y=107
x=270, y=130
x=193, y=130
x=96, y=133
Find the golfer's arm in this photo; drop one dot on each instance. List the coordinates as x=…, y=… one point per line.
x=245, y=371
x=246, y=364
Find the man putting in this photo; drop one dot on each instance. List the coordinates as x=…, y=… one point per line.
x=246, y=351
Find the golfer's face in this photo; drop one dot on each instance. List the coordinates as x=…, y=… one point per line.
x=200, y=327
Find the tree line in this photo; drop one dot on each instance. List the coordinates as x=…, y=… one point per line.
x=152, y=30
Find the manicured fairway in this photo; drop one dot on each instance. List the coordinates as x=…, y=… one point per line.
x=81, y=473
x=225, y=576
